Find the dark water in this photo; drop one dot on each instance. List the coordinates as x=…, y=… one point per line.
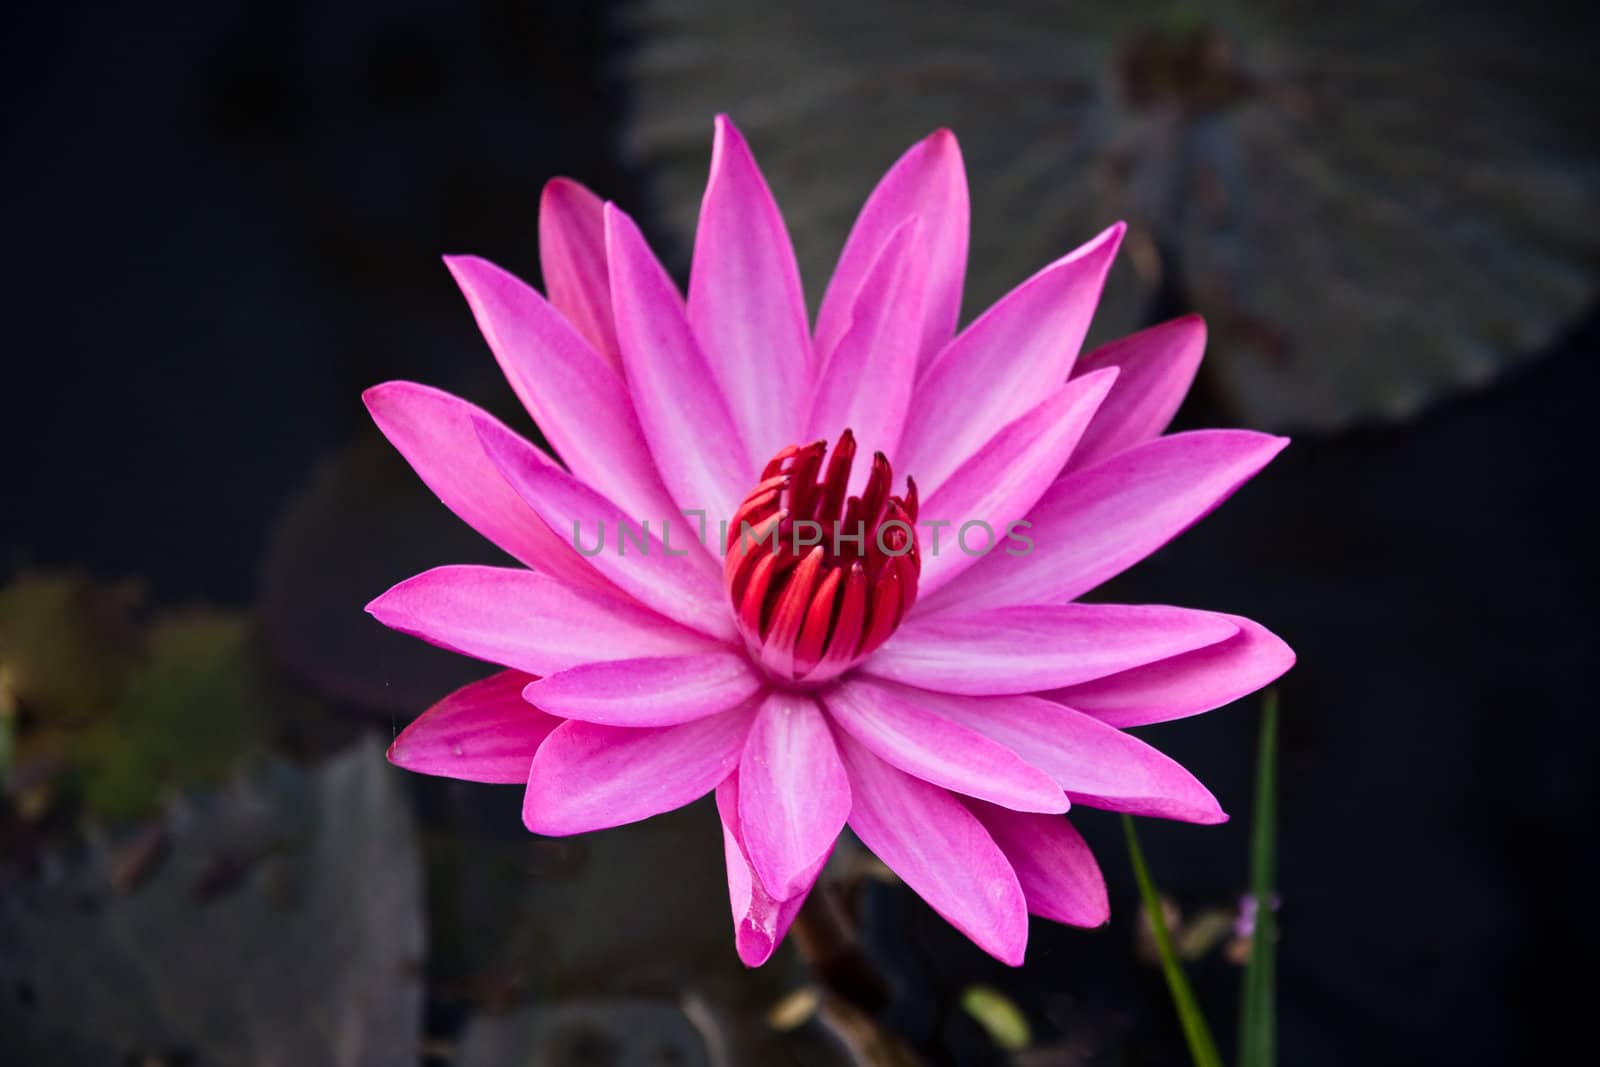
x=223, y=225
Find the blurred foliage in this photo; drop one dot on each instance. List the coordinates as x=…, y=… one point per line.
x=1373, y=205
x=110, y=706
x=65, y=646
x=281, y=925
x=1193, y=936
x=205, y=858
x=5, y=746
x=999, y=1016
x=196, y=704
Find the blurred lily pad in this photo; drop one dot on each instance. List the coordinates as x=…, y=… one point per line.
x=1374, y=205
x=363, y=523
x=284, y=927
x=113, y=706
x=196, y=705
x=65, y=645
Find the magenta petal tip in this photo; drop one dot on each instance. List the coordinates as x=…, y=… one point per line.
x=374, y=396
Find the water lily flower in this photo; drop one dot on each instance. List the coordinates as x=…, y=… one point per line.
x=924, y=671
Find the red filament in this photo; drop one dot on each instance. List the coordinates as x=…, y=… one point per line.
x=818, y=580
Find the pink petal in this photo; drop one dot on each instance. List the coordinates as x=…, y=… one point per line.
x=745, y=301
x=579, y=400
x=1058, y=873
x=655, y=691
x=941, y=851
x=759, y=919
x=793, y=793
x=589, y=777
x=1158, y=366
x=928, y=184
x=1098, y=765
x=696, y=444
x=1093, y=524
x=1027, y=649
x=888, y=721
x=1187, y=684
x=866, y=384
x=528, y=620
x=682, y=584
x=436, y=434
x=1000, y=484
x=572, y=257
x=484, y=732
x=997, y=369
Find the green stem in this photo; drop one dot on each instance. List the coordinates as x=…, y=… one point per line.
x=1257, y=1022
x=1202, y=1049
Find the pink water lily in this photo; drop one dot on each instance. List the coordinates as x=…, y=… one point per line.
x=947, y=703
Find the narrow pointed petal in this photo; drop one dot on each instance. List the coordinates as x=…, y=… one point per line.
x=693, y=438
x=866, y=385
x=1058, y=873
x=1158, y=365
x=1098, y=765
x=527, y=620
x=683, y=584
x=887, y=720
x=940, y=850
x=793, y=793
x=1093, y=524
x=1187, y=684
x=654, y=691
x=759, y=919
x=589, y=777
x=572, y=258
x=1027, y=649
x=436, y=434
x=578, y=399
x=745, y=302
x=1001, y=483
x=484, y=732
x=927, y=183
x=996, y=369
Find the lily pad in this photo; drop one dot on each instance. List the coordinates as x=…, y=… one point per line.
x=363, y=523
x=1367, y=218
x=65, y=645
x=283, y=927
x=198, y=704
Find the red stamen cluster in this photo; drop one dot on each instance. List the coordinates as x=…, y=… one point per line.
x=818, y=581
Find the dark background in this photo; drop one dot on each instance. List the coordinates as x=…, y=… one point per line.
x=222, y=225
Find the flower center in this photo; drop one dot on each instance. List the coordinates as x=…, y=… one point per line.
x=818, y=581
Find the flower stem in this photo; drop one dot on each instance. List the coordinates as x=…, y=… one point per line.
x=1257, y=1026
x=1202, y=1049
x=822, y=932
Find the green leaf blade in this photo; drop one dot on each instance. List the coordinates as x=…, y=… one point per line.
x=1202, y=1048
x=1258, y=1012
